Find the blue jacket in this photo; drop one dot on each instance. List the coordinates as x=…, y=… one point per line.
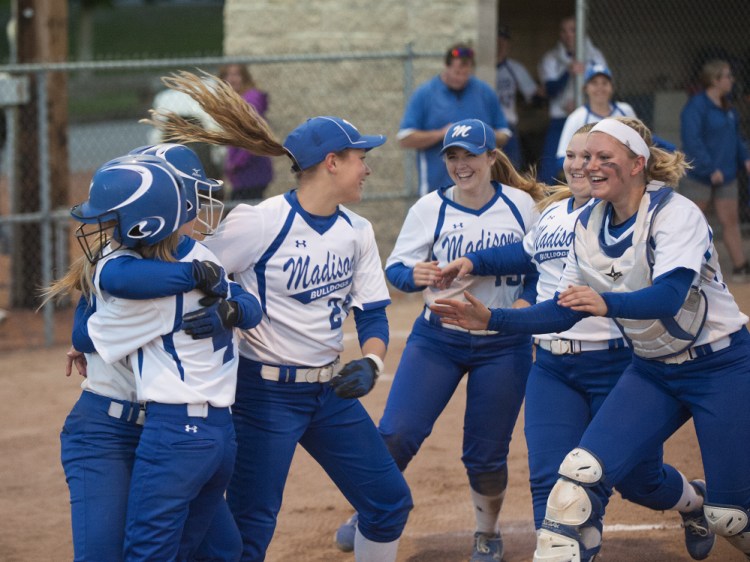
x=711, y=139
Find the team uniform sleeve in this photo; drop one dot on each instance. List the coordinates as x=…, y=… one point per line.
x=124, y=277
x=369, y=290
x=543, y=318
x=122, y=326
x=80, y=336
x=251, y=312
x=414, y=242
x=510, y=259
x=680, y=237
x=371, y=323
x=661, y=300
x=239, y=238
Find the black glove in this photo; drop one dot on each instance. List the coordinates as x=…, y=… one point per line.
x=355, y=379
x=217, y=316
x=209, y=278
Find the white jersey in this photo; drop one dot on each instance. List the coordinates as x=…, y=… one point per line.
x=113, y=381
x=554, y=64
x=170, y=366
x=438, y=228
x=308, y=273
x=680, y=238
x=512, y=77
x=583, y=116
x=548, y=242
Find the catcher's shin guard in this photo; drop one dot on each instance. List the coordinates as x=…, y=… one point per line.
x=571, y=531
x=731, y=522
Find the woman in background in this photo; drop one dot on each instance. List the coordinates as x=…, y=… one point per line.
x=247, y=174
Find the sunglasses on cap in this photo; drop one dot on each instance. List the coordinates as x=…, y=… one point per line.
x=462, y=53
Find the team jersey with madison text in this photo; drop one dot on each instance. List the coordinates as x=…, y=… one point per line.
x=680, y=238
x=170, y=367
x=438, y=228
x=548, y=243
x=308, y=273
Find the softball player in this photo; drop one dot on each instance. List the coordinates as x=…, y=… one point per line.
x=187, y=398
x=311, y=261
x=643, y=253
x=101, y=433
x=576, y=369
x=481, y=209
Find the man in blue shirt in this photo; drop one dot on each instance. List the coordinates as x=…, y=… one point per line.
x=453, y=95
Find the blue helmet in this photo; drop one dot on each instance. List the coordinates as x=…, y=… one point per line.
x=199, y=189
x=140, y=198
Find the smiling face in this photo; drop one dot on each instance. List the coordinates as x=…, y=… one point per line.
x=615, y=174
x=351, y=173
x=467, y=170
x=599, y=90
x=573, y=167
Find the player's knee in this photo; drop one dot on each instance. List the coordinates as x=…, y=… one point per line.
x=571, y=501
x=401, y=447
x=489, y=483
x=731, y=522
x=387, y=522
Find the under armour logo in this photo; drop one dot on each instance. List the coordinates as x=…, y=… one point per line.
x=300, y=243
x=461, y=131
x=459, y=225
x=193, y=428
x=615, y=275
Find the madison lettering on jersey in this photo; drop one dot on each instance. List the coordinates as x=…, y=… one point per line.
x=321, y=280
x=552, y=245
x=454, y=245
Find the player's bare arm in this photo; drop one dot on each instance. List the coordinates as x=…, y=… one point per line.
x=583, y=299
x=471, y=315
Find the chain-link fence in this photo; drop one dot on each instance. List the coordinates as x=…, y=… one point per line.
x=63, y=121
x=656, y=51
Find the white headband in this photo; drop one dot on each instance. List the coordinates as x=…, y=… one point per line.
x=625, y=134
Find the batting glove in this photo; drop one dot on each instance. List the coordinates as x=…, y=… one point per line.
x=209, y=278
x=357, y=377
x=216, y=317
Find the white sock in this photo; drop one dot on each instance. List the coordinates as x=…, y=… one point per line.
x=366, y=550
x=690, y=499
x=486, y=511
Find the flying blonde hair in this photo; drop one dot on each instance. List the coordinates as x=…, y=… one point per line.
x=240, y=125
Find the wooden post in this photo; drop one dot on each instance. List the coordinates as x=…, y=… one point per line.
x=41, y=37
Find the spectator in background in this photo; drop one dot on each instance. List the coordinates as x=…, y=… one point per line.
x=712, y=142
x=453, y=95
x=557, y=71
x=247, y=174
x=599, y=90
x=511, y=79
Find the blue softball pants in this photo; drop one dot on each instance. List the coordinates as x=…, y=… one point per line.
x=652, y=400
x=433, y=363
x=563, y=394
x=270, y=418
x=182, y=467
x=97, y=453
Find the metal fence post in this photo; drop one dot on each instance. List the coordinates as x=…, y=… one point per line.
x=410, y=187
x=45, y=204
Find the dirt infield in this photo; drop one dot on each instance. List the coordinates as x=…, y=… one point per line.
x=35, y=522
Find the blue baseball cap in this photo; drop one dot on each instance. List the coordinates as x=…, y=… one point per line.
x=310, y=142
x=593, y=70
x=471, y=134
